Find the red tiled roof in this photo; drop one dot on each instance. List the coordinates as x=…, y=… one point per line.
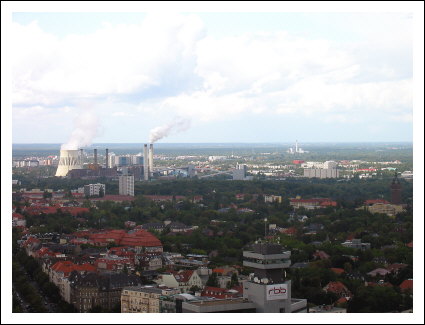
x=35, y=210
x=341, y=300
x=140, y=238
x=289, y=231
x=396, y=267
x=407, y=285
x=183, y=276
x=75, y=210
x=321, y=254
x=337, y=270
x=66, y=267
x=336, y=287
x=164, y=197
x=369, y=202
x=30, y=241
x=17, y=216
x=220, y=271
x=117, y=198
x=218, y=292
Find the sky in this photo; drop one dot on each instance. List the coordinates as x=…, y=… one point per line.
x=79, y=78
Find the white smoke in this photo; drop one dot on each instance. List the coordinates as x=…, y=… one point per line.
x=86, y=128
x=177, y=125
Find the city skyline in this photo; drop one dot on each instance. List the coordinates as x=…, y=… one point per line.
x=307, y=76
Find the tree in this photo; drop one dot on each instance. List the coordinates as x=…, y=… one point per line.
x=47, y=195
x=213, y=280
x=101, y=192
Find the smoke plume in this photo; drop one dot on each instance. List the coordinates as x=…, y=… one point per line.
x=177, y=125
x=86, y=128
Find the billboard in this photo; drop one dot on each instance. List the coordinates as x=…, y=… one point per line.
x=277, y=292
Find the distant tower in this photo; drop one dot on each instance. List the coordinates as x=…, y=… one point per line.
x=296, y=145
x=395, y=190
x=145, y=162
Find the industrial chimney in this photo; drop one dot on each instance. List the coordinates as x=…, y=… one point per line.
x=107, y=158
x=69, y=159
x=81, y=157
x=145, y=163
x=95, y=156
x=151, y=159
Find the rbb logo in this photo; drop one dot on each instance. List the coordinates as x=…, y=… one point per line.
x=277, y=291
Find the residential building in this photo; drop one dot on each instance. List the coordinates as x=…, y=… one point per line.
x=183, y=280
x=18, y=220
x=310, y=204
x=356, y=244
x=338, y=289
x=140, y=299
x=126, y=185
x=94, y=189
x=321, y=173
x=104, y=290
x=385, y=208
x=272, y=198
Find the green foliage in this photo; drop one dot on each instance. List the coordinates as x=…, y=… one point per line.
x=377, y=299
x=212, y=280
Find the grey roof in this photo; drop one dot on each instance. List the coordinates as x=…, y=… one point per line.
x=104, y=282
x=300, y=265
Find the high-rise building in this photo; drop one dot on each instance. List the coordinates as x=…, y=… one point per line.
x=395, y=190
x=126, y=185
x=267, y=286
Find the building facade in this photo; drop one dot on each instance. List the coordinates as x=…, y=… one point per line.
x=94, y=189
x=126, y=185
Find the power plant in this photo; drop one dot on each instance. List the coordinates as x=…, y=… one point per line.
x=69, y=159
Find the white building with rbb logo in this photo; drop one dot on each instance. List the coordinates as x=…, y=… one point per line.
x=267, y=286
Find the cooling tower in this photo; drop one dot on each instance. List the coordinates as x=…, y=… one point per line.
x=69, y=159
x=145, y=163
x=151, y=159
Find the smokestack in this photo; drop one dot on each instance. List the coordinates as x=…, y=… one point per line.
x=151, y=159
x=81, y=156
x=107, y=158
x=69, y=159
x=95, y=156
x=145, y=163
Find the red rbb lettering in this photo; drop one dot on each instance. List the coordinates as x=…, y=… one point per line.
x=277, y=291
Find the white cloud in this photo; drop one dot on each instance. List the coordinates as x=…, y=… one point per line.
x=167, y=65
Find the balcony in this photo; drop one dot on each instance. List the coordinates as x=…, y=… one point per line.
x=281, y=265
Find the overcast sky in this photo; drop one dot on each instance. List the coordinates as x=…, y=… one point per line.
x=230, y=77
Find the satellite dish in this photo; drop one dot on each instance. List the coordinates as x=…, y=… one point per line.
x=265, y=280
x=256, y=280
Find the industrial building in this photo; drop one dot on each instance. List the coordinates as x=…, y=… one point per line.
x=69, y=159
